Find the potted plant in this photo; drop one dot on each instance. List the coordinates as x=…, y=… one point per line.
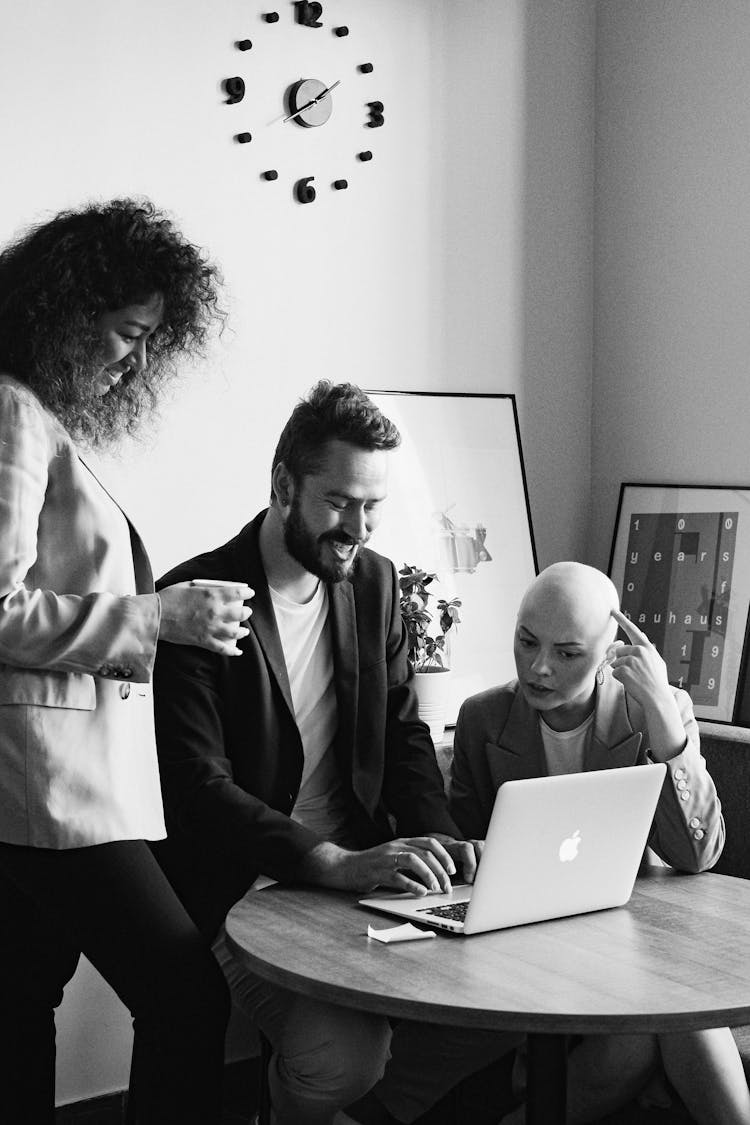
x=427, y=642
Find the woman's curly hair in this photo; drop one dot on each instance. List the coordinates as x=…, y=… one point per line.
x=59, y=277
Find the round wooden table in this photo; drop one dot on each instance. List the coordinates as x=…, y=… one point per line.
x=676, y=957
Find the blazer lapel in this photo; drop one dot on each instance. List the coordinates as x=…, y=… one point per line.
x=262, y=621
x=519, y=751
x=613, y=741
x=144, y=578
x=344, y=640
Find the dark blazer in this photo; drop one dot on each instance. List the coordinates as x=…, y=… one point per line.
x=230, y=752
x=498, y=739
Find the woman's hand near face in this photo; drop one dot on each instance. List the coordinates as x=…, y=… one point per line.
x=207, y=615
x=641, y=670
x=638, y=666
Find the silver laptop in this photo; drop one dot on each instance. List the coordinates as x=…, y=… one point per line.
x=555, y=846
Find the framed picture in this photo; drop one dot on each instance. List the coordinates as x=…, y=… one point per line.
x=458, y=508
x=681, y=562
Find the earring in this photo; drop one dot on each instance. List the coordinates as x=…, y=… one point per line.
x=600, y=675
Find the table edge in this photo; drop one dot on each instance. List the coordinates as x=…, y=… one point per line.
x=487, y=1019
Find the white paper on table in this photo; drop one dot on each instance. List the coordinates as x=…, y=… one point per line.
x=407, y=932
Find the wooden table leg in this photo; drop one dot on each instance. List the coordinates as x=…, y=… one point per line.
x=546, y=1084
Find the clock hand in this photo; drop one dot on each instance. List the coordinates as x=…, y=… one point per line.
x=315, y=100
x=323, y=93
x=310, y=104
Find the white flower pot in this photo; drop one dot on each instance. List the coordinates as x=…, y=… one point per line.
x=431, y=688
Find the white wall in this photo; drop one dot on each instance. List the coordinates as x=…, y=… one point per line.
x=672, y=257
x=517, y=241
x=460, y=258
x=557, y=271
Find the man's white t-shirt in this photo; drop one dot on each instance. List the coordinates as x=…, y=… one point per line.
x=305, y=633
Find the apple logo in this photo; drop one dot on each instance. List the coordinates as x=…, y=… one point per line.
x=569, y=848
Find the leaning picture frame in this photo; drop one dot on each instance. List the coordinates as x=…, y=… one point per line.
x=680, y=560
x=458, y=508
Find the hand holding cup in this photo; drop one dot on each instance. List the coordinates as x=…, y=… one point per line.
x=206, y=612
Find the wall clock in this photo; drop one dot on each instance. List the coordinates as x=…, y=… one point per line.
x=307, y=102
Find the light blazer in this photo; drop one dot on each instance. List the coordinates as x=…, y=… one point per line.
x=77, y=754
x=498, y=739
x=230, y=751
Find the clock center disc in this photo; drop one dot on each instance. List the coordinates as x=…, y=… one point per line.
x=302, y=93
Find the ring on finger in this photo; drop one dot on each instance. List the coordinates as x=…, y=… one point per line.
x=397, y=859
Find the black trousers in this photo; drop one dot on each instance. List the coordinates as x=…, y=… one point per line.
x=113, y=903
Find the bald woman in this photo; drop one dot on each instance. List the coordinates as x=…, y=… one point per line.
x=586, y=701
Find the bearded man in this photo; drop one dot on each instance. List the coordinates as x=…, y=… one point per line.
x=297, y=760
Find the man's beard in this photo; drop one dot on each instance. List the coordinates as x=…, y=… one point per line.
x=310, y=551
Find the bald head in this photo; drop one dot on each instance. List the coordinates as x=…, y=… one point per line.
x=564, y=629
x=574, y=599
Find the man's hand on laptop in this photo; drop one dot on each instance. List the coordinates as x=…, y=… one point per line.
x=419, y=864
x=465, y=854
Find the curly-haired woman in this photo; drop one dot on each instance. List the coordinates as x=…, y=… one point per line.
x=84, y=299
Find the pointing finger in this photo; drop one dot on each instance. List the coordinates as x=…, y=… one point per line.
x=631, y=631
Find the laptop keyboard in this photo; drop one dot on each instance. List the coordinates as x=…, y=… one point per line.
x=455, y=911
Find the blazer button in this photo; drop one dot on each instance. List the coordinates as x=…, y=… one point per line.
x=698, y=834
x=694, y=822
x=124, y=691
x=684, y=794
x=682, y=785
x=679, y=774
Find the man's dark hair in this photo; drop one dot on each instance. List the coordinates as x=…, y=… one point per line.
x=331, y=411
